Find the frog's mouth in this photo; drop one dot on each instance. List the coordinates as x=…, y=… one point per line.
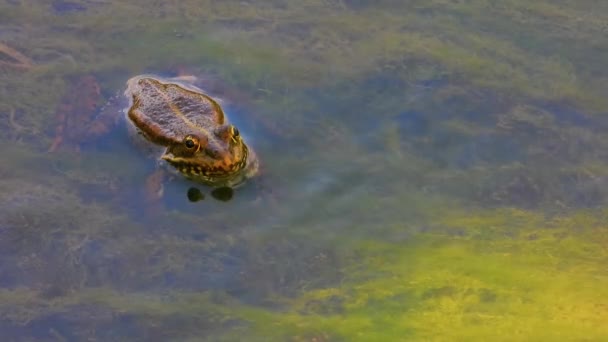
x=206, y=171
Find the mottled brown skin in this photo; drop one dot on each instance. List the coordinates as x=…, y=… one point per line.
x=198, y=140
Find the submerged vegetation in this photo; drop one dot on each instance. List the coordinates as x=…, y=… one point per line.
x=436, y=169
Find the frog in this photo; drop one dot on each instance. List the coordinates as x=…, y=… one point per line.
x=190, y=130
x=171, y=120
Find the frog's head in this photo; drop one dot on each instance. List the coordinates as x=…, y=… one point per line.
x=210, y=157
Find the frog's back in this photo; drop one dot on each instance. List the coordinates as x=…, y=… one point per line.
x=166, y=112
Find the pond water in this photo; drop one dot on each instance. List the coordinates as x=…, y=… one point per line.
x=430, y=170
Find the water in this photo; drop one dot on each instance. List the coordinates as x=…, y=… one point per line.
x=430, y=170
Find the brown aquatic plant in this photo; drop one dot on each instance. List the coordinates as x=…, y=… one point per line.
x=15, y=58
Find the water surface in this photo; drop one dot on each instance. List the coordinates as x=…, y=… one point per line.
x=431, y=170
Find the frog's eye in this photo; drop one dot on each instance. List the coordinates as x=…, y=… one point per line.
x=235, y=134
x=227, y=133
x=235, y=131
x=191, y=142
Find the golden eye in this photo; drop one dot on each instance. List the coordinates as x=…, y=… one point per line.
x=190, y=141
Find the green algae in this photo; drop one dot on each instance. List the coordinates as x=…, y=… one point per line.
x=489, y=281
x=311, y=37
x=471, y=288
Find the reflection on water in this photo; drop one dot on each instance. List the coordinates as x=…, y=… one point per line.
x=195, y=195
x=426, y=173
x=223, y=194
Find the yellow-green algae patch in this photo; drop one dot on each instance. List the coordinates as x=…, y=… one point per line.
x=502, y=274
x=512, y=275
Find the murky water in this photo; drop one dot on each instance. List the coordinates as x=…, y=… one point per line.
x=430, y=170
